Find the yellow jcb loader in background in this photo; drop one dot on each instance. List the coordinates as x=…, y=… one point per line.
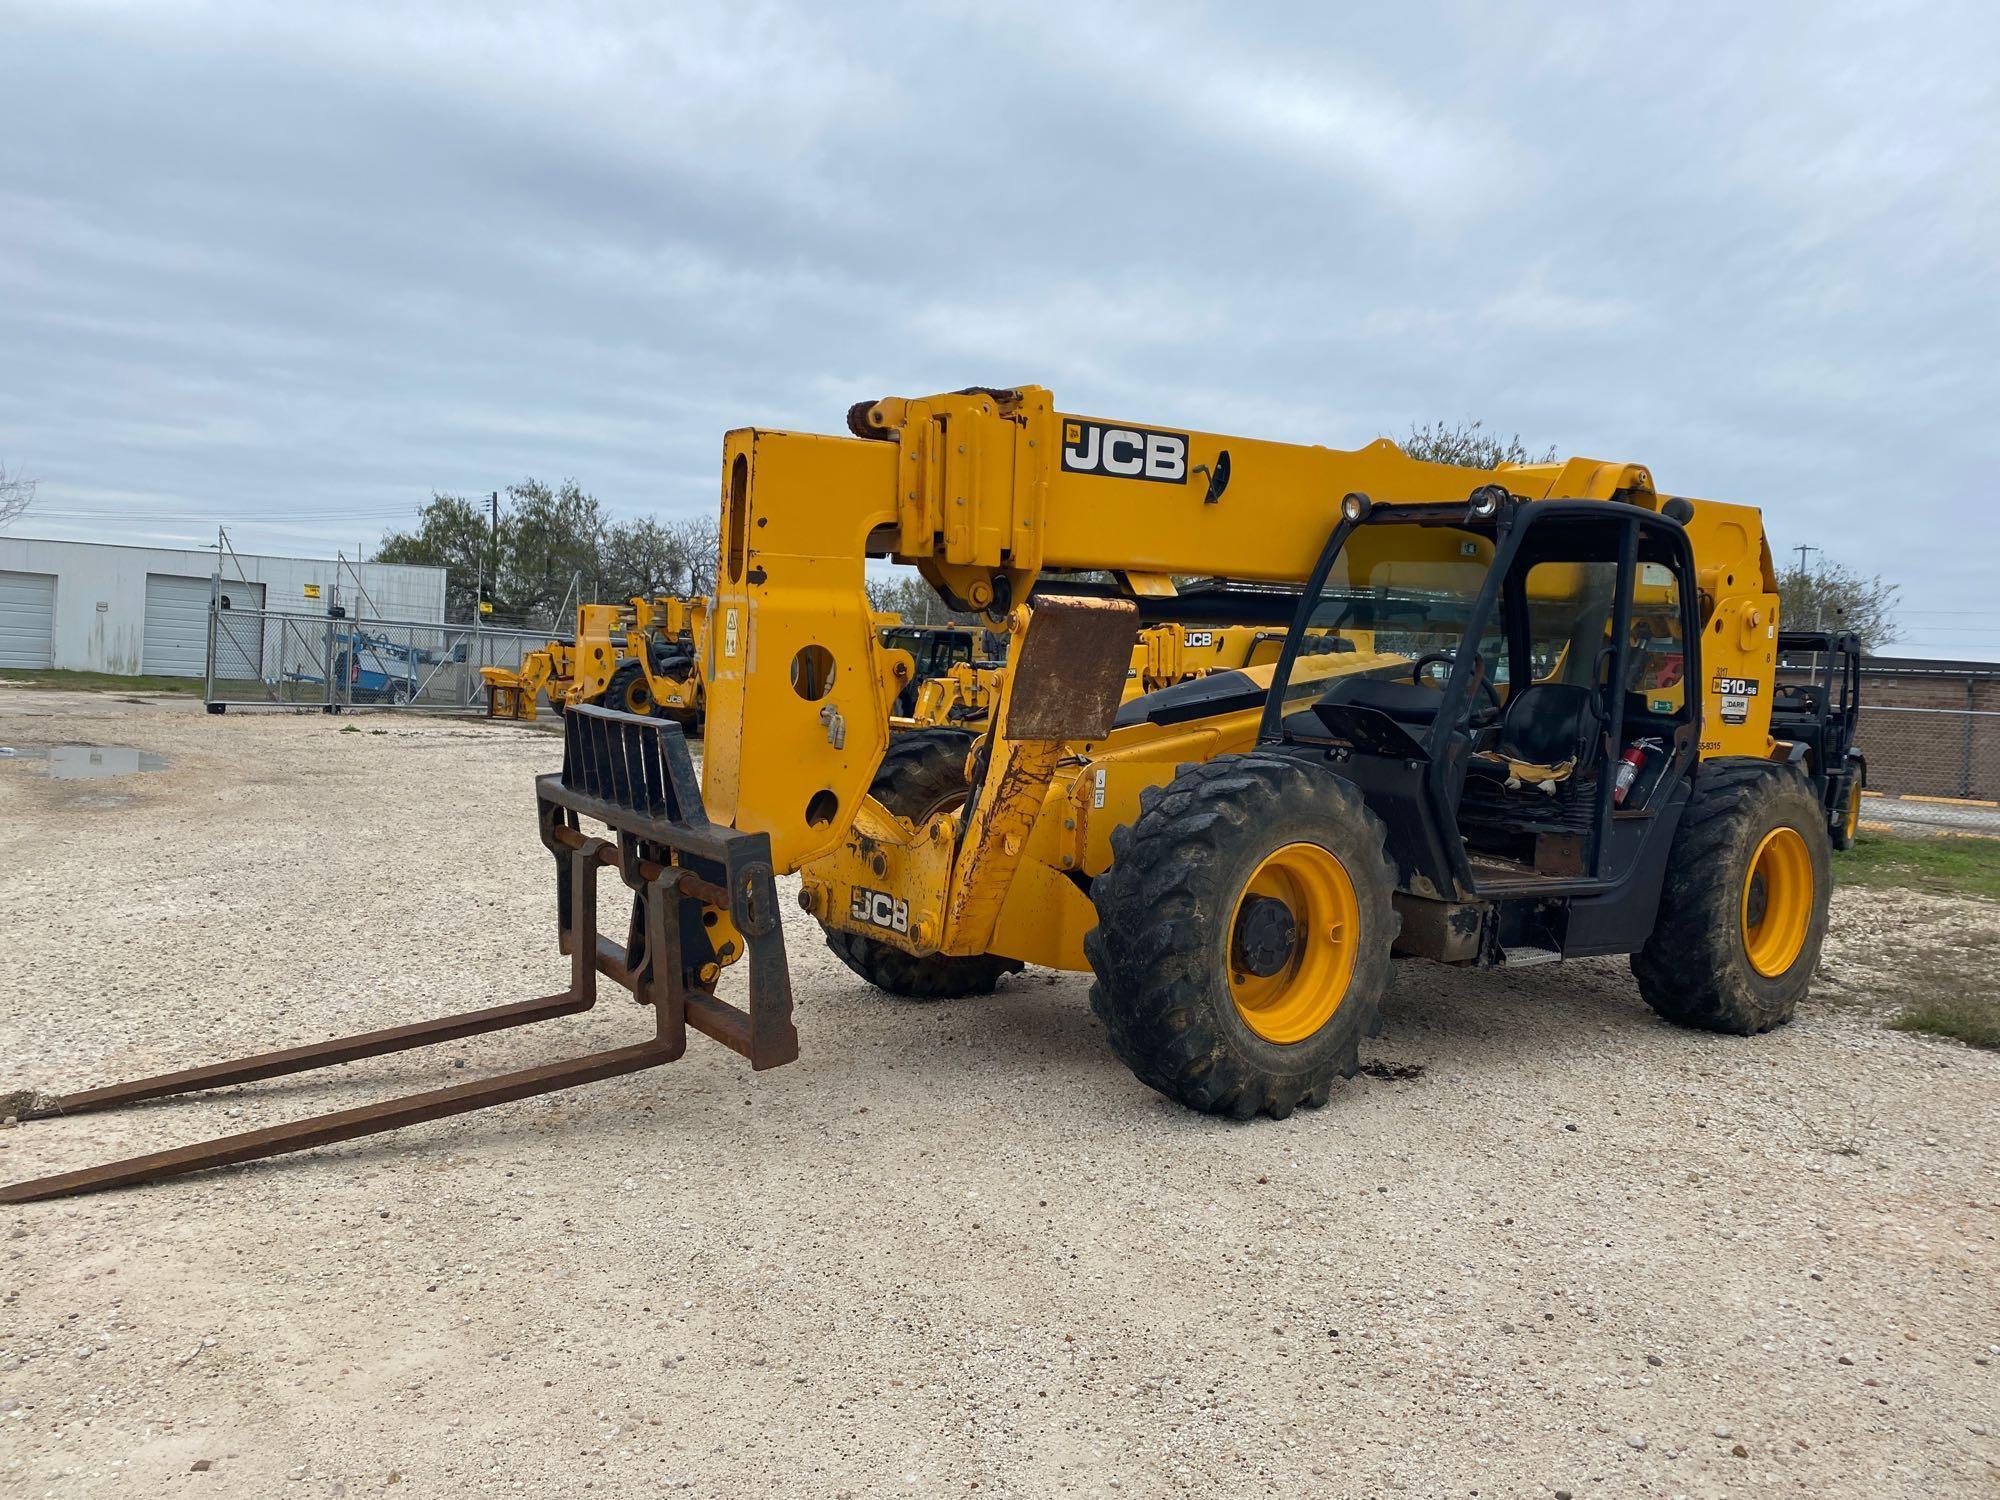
x=639, y=657
x=963, y=697
x=935, y=652
x=1499, y=772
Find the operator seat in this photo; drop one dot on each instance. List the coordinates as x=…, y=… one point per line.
x=1545, y=730
x=1797, y=699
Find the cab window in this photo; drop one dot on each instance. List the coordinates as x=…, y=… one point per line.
x=1569, y=607
x=1656, y=664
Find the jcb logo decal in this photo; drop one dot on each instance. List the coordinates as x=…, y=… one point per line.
x=1124, y=452
x=880, y=909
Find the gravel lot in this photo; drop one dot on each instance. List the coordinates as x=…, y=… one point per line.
x=1552, y=1246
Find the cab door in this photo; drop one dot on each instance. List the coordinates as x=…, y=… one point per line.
x=1596, y=722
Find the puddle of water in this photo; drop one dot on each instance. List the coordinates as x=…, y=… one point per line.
x=90, y=762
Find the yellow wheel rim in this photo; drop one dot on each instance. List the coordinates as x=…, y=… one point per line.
x=1777, y=902
x=638, y=697
x=1853, y=808
x=1306, y=951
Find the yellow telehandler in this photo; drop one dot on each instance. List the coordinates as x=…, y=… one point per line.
x=639, y=657
x=962, y=697
x=1551, y=738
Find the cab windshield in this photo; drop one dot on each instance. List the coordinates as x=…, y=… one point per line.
x=1405, y=590
x=1402, y=594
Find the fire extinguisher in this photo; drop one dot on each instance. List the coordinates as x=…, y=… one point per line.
x=1630, y=764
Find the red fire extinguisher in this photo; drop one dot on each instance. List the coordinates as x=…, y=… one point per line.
x=1630, y=764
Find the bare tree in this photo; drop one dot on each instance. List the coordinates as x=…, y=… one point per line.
x=641, y=558
x=1835, y=597
x=1469, y=445
x=905, y=593
x=17, y=493
x=699, y=540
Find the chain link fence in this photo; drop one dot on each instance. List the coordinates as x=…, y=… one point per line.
x=1933, y=752
x=272, y=659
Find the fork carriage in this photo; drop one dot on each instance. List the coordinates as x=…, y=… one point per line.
x=697, y=889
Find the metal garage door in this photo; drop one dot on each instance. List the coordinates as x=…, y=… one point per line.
x=177, y=628
x=27, y=619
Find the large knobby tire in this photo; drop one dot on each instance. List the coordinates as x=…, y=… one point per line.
x=1743, y=912
x=921, y=775
x=629, y=692
x=1192, y=1007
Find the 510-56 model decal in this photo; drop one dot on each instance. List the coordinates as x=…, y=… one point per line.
x=1735, y=693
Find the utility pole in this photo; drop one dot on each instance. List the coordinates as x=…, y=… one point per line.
x=1819, y=606
x=492, y=546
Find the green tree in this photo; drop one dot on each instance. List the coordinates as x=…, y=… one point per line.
x=552, y=544
x=1468, y=445
x=1833, y=596
x=641, y=557
x=452, y=533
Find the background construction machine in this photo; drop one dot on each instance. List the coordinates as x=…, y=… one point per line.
x=1552, y=738
x=1163, y=655
x=1820, y=717
x=641, y=657
x=937, y=653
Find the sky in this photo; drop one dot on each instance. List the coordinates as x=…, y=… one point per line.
x=291, y=268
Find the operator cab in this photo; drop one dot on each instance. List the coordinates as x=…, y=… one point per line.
x=1518, y=712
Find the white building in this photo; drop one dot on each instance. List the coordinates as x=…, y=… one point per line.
x=99, y=607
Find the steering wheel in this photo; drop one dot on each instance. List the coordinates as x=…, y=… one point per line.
x=1478, y=716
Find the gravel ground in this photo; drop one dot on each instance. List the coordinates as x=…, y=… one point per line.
x=1548, y=1245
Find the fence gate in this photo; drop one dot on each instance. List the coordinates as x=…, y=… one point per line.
x=261, y=658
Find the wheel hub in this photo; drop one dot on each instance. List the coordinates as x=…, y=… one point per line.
x=1754, y=901
x=1777, y=902
x=1266, y=933
x=1293, y=942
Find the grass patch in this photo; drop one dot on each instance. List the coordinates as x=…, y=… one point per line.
x=1972, y=1019
x=99, y=682
x=1951, y=866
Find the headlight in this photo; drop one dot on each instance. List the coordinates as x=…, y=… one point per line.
x=1355, y=507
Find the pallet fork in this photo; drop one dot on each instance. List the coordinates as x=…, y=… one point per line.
x=633, y=775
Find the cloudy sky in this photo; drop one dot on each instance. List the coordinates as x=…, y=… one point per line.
x=292, y=267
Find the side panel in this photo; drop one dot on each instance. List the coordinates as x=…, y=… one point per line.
x=1739, y=642
x=1621, y=919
